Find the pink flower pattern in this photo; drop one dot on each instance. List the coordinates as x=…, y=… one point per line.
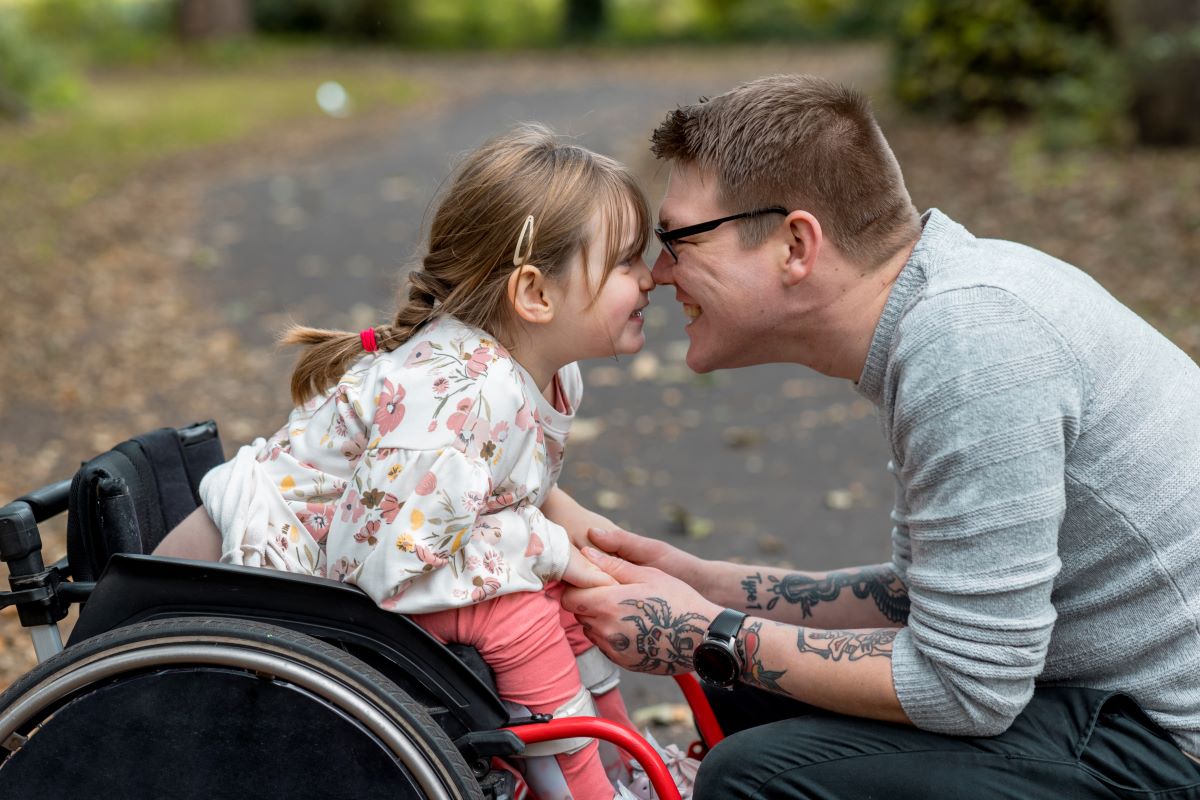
x=427, y=484
x=477, y=364
x=396, y=512
x=317, y=517
x=420, y=353
x=390, y=412
x=352, y=508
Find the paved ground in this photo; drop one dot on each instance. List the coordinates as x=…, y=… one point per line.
x=772, y=464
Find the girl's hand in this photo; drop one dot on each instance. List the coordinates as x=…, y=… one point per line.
x=647, y=552
x=647, y=621
x=583, y=573
x=562, y=509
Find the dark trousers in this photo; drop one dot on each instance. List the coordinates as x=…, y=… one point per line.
x=1068, y=743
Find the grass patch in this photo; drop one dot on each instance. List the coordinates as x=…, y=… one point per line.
x=128, y=119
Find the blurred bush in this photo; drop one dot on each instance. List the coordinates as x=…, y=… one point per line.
x=966, y=59
x=1162, y=41
x=537, y=23
x=416, y=23
x=740, y=20
x=102, y=32
x=32, y=76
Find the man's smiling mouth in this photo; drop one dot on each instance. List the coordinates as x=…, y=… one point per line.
x=692, y=312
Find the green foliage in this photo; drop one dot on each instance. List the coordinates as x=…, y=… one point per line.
x=526, y=23
x=483, y=23
x=426, y=23
x=966, y=59
x=734, y=20
x=102, y=31
x=32, y=77
x=355, y=19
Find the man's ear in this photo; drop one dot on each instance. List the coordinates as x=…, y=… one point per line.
x=530, y=296
x=804, y=239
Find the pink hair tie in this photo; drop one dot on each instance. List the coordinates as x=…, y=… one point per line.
x=367, y=335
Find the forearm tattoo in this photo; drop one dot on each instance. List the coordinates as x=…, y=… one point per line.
x=879, y=583
x=846, y=645
x=756, y=673
x=664, y=641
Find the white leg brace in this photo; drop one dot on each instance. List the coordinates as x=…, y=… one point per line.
x=598, y=674
x=580, y=705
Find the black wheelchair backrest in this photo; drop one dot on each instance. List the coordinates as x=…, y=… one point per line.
x=127, y=499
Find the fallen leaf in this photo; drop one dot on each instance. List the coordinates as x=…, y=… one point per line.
x=739, y=438
x=662, y=714
x=609, y=500
x=839, y=499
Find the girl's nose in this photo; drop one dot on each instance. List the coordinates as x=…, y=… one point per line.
x=645, y=277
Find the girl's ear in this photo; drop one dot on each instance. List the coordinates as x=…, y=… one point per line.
x=530, y=296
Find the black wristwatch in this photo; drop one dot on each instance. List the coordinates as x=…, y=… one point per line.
x=717, y=659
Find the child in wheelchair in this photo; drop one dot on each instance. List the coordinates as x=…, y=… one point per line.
x=421, y=459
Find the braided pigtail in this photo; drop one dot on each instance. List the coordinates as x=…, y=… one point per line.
x=326, y=356
x=329, y=353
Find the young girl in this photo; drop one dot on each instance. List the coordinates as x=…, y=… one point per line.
x=422, y=457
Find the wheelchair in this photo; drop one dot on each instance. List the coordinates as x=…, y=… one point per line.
x=189, y=679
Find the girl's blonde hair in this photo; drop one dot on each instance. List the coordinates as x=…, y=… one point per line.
x=474, y=237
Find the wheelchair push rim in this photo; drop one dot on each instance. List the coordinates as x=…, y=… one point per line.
x=303, y=668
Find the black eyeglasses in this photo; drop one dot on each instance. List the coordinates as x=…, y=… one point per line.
x=666, y=237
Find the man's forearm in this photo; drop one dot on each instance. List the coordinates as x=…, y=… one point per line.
x=847, y=671
x=856, y=597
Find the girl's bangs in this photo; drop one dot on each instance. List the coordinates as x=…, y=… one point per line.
x=625, y=209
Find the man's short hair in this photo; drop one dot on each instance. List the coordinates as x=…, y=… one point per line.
x=805, y=143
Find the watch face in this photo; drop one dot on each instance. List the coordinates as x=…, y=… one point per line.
x=715, y=664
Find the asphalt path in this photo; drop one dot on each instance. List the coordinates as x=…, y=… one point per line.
x=768, y=465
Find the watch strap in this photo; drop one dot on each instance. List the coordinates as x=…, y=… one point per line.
x=726, y=625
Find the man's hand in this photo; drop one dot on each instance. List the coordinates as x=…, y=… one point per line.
x=583, y=573
x=646, y=552
x=647, y=622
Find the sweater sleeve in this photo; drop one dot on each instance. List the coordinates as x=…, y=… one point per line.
x=987, y=402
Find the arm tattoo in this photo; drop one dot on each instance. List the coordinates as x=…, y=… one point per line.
x=879, y=583
x=756, y=673
x=848, y=645
x=665, y=642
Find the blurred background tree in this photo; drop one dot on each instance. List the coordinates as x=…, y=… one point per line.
x=213, y=19
x=1161, y=39
x=1090, y=71
x=1087, y=71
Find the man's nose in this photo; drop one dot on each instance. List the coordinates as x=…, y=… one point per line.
x=663, y=266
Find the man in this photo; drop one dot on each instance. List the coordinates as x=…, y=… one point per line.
x=1037, y=632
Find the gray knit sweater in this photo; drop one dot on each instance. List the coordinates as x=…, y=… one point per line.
x=1046, y=450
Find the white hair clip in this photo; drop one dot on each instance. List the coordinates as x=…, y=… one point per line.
x=526, y=231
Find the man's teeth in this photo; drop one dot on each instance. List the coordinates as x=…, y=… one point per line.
x=691, y=312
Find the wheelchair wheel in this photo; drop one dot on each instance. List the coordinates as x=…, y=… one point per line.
x=210, y=707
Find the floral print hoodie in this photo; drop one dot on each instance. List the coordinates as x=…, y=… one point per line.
x=418, y=477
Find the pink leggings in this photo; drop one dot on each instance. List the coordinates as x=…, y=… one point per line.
x=531, y=642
